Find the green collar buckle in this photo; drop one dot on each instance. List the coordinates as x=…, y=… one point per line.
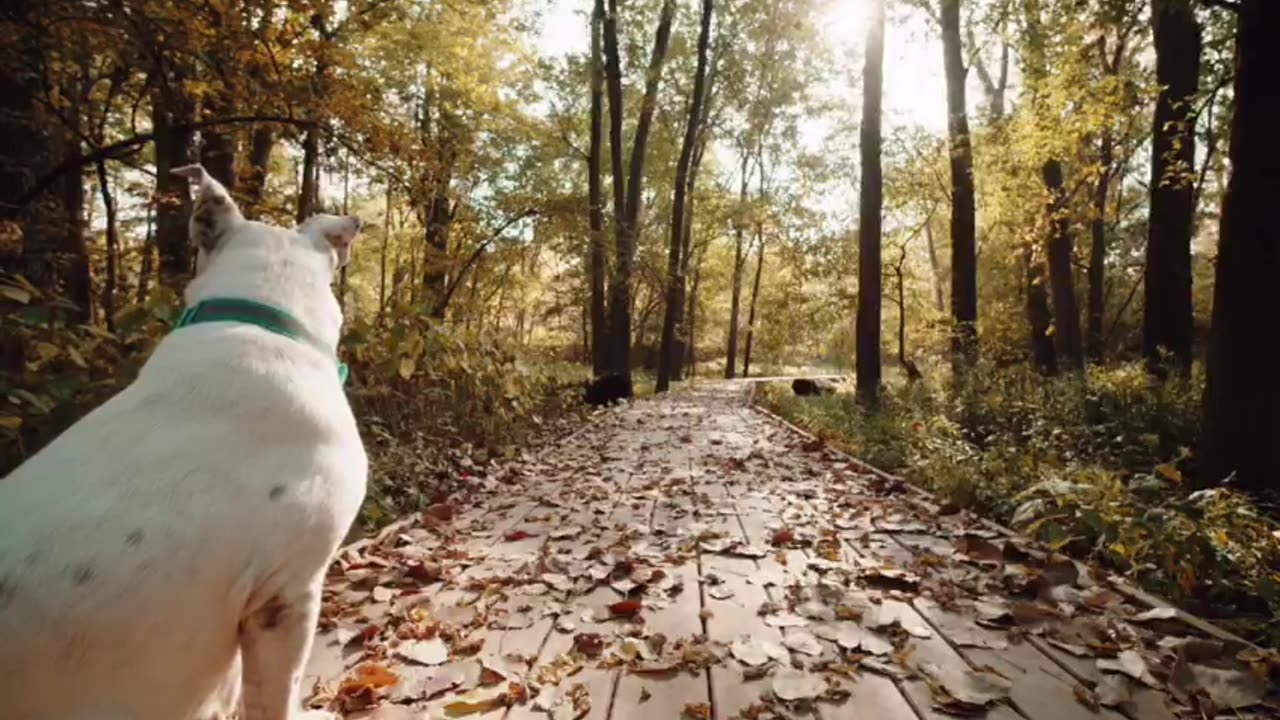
x=271, y=319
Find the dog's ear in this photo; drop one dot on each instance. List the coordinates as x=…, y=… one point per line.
x=339, y=231
x=215, y=212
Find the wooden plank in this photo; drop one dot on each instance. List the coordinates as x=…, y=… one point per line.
x=657, y=696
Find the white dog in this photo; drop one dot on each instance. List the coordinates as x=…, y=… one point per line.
x=185, y=526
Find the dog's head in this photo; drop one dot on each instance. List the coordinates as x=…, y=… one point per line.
x=288, y=267
x=217, y=224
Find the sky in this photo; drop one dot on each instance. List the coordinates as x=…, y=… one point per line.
x=914, y=84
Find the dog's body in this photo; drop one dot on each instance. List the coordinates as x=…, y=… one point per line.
x=185, y=525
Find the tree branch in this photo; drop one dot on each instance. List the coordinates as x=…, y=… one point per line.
x=1224, y=4
x=125, y=147
x=475, y=255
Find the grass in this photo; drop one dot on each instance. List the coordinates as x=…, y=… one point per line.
x=1092, y=466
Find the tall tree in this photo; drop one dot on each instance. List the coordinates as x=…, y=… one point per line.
x=739, y=262
x=1242, y=389
x=870, y=206
x=1167, y=315
x=627, y=205
x=675, y=276
x=1060, y=245
x=964, y=261
x=599, y=331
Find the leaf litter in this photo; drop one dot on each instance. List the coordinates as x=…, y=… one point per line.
x=411, y=609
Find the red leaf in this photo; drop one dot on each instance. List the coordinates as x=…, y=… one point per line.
x=440, y=511
x=589, y=644
x=625, y=609
x=517, y=535
x=782, y=536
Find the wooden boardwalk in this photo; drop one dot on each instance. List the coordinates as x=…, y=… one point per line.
x=691, y=558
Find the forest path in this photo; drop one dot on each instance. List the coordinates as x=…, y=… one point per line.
x=691, y=557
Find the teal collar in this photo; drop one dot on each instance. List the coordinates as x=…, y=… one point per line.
x=268, y=318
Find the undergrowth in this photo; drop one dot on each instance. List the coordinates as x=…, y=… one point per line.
x=434, y=404
x=1092, y=466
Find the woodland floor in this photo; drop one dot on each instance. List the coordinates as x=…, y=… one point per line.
x=691, y=557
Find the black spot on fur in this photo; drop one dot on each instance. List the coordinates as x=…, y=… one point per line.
x=83, y=574
x=277, y=492
x=272, y=613
x=134, y=538
x=8, y=589
x=608, y=389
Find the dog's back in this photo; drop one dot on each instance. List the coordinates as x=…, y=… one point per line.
x=135, y=547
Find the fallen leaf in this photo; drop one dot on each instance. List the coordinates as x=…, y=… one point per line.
x=1130, y=663
x=589, y=644
x=720, y=592
x=790, y=684
x=1113, y=690
x=802, y=642
x=965, y=689
x=755, y=652
x=517, y=535
x=625, y=609
x=785, y=620
x=697, y=711
x=426, y=652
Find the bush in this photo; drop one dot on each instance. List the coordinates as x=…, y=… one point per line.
x=433, y=403
x=1091, y=465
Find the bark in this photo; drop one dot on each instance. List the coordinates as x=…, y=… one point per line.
x=254, y=176
x=346, y=199
x=1098, y=253
x=113, y=249
x=735, y=301
x=939, y=293
x=964, y=262
x=218, y=144
x=147, y=266
x=382, y=257
x=23, y=152
x=1039, y=317
x=628, y=230
x=1066, y=311
x=751, y=307
x=1242, y=391
x=667, y=350
x=599, y=330
x=871, y=202
x=173, y=196
x=309, y=190
x=691, y=313
x=435, y=276
x=1167, y=313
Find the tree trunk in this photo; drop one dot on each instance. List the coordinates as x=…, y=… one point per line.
x=735, y=301
x=1066, y=312
x=218, y=144
x=346, y=199
x=667, y=350
x=1167, y=313
x=173, y=196
x=599, y=329
x=435, y=272
x=1039, y=317
x=1098, y=252
x=691, y=313
x=964, y=262
x=871, y=202
x=751, y=307
x=628, y=230
x=382, y=259
x=254, y=177
x=113, y=249
x=1242, y=391
x=939, y=294
x=309, y=192
x=147, y=266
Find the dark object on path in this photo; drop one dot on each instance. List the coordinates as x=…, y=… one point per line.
x=608, y=389
x=806, y=387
